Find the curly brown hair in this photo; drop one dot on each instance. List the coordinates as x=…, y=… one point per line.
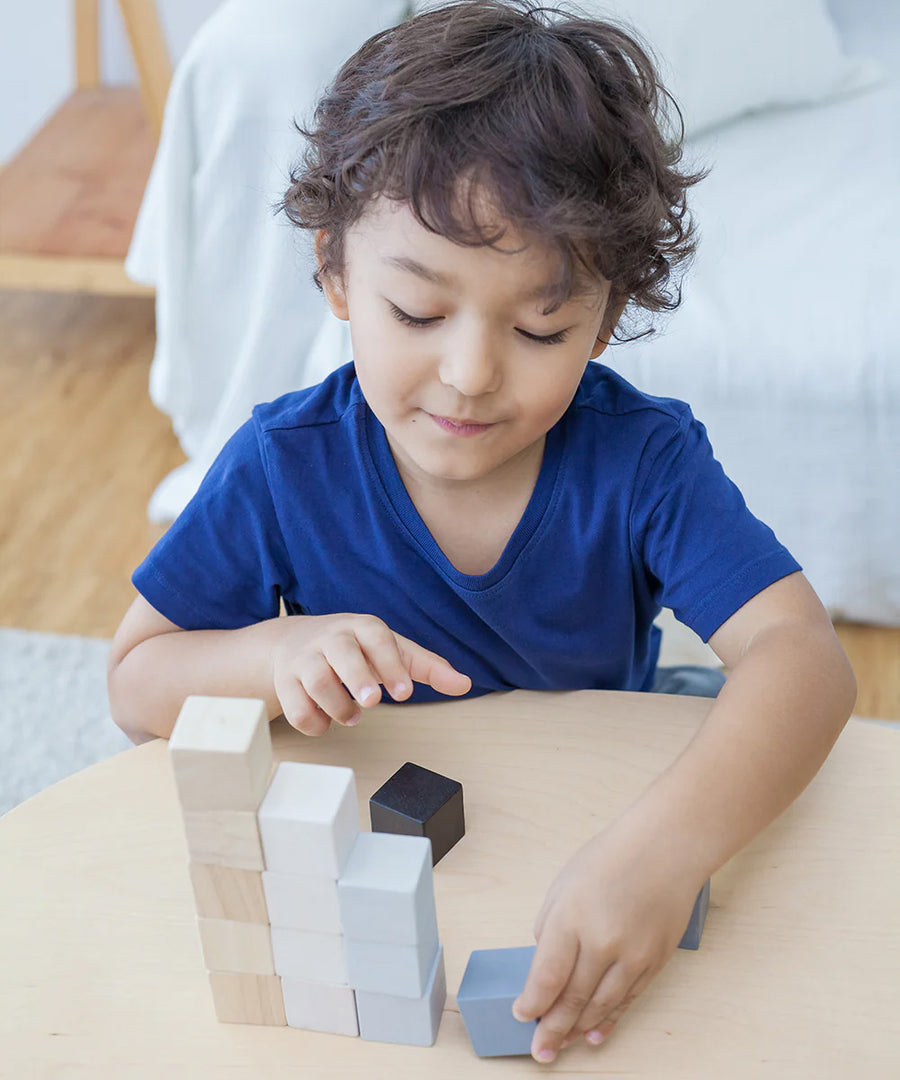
x=560, y=117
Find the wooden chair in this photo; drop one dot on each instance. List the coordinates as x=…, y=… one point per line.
x=70, y=197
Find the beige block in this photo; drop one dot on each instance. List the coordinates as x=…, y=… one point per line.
x=236, y=946
x=223, y=892
x=221, y=753
x=224, y=838
x=247, y=999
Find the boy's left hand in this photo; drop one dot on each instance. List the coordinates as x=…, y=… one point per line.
x=610, y=921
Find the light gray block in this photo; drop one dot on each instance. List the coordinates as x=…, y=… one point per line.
x=320, y=1007
x=309, y=819
x=309, y=956
x=492, y=981
x=302, y=901
x=386, y=891
x=411, y=1021
x=401, y=970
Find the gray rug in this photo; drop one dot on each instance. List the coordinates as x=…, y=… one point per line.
x=54, y=716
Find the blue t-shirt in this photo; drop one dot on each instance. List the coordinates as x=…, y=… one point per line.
x=631, y=512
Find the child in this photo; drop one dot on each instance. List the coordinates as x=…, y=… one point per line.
x=472, y=505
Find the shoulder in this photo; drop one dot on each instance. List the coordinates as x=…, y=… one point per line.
x=603, y=393
x=328, y=402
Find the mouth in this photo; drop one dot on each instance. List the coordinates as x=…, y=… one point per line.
x=462, y=428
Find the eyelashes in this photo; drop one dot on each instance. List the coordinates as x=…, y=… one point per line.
x=410, y=320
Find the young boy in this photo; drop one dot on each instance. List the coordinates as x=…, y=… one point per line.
x=472, y=505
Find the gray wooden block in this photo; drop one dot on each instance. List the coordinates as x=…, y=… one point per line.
x=492, y=981
x=319, y=1007
x=387, y=891
x=309, y=819
x=691, y=937
x=410, y=1021
x=400, y=970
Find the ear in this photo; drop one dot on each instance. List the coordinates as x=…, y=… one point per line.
x=334, y=289
x=614, y=308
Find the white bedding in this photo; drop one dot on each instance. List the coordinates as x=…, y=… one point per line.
x=786, y=345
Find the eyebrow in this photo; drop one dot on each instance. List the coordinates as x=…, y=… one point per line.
x=404, y=262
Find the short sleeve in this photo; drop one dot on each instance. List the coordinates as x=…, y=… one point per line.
x=223, y=562
x=703, y=552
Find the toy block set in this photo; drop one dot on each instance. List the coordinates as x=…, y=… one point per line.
x=305, y=920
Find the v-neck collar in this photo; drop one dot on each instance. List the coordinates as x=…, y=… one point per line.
x=384, y=468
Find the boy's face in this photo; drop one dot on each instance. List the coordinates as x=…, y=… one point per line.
x=471, y=389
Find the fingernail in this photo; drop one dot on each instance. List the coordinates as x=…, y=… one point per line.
x=594, y=1037
x=366, y=694
x=353, y=720
x=546, y=1055
x=519, y=1015
x=400, y=688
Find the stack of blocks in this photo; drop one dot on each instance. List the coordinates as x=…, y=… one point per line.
x=303, y=919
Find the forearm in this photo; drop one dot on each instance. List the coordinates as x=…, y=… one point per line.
x=768, y=733
x=147, y=686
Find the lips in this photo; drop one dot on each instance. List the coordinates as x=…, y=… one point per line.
x=456, y=426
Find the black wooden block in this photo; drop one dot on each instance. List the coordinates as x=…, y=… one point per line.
x=419, y=802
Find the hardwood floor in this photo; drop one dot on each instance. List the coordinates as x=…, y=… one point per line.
x=82, y=447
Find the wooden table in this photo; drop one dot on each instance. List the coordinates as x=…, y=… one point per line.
x=797, y=976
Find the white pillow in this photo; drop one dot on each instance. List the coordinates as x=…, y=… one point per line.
x=721, y=59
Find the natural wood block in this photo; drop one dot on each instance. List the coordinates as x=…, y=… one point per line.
x=236, y=946
x=221, y=753
x=224, y=892
x=224, y=838
x=247, y=999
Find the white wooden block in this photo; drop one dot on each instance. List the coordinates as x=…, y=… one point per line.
x=399, y=970
x=387, y=891
x=302, y=901
x=309, y=819
x=236, y=946
x=412, y=1021
x=221, y=753
x=309, y=956
x=320, y=1007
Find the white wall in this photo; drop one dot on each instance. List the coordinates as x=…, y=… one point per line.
x=37, y=67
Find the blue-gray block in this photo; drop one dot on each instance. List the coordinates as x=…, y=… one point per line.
x=418, y=802
x=691, y=938
x=410, y=1021
x=492, y=981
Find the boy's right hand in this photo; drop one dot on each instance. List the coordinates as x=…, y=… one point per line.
x=325, y=667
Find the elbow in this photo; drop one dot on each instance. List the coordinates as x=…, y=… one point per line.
x=121, y=701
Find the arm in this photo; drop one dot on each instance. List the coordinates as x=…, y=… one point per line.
x=301, y=666
x=788, y=695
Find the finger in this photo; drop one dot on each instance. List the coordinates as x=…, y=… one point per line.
x=551, y=968
x=299, y=710
x=427, y=667
x=381, y=649
x=325, y=689
x=611, y=1000
x=347, y=660
x=558, y=1024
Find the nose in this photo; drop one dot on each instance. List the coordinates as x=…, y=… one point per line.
x=471, y=364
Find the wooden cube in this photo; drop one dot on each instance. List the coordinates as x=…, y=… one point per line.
x=236, y=946
x=418, y=802
x=224, y=838
x=223, y=892
x=221, y=753
x=247, y=999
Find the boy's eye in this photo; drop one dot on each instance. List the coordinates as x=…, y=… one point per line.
x=411, y=320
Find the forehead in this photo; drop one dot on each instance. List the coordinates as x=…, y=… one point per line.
x=394, y=239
